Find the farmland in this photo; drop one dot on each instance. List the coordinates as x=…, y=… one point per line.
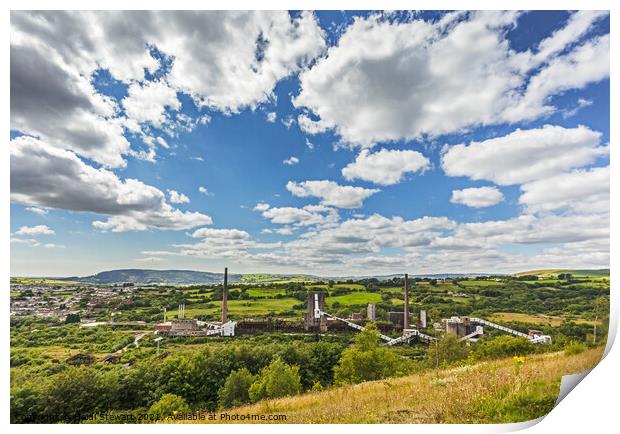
x=53, y=358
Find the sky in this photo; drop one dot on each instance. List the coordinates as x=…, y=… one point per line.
x=327, y=142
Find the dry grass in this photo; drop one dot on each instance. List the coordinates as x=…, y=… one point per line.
x=486, y=392
x=536, y=318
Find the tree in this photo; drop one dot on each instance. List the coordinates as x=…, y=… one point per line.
x=446, y=351
x=366, y=360
x=72, y=318
x=276, y=380
x=236, y=389
x=503, y=346
x=168, y=405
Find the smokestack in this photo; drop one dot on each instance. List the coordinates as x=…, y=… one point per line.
x=406, y=308
x=225, y=297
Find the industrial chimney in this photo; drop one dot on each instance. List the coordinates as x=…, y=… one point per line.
x=225, y=297
x=406, y=307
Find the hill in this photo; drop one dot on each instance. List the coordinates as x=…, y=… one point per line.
x=488, y=392
x=577, y=273
x=169, y=277
x=182, y=277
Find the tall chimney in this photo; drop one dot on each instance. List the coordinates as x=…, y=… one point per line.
x=406, y=308
x=225, y=297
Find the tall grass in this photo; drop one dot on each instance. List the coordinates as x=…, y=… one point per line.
x=489, y=392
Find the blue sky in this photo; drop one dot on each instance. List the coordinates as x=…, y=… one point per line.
x=328, y=143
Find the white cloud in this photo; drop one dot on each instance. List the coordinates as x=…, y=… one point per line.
x=261, y=206
x=586, y=64
x=176, y=197
x=54, y=246
x=53, y=101
x=310, y=126
x=229, y=234
x=271, y=117
x=309, y=215
x=291, y=161
x=410, y=79
x=385, y=167
x=39, y=211
x=148, y=102
x=331, y=193
x=44, y=176
x=524, y=155
x=33, y=231
x=225, y=60
x=584, y=191
x=231, y=60
x=577, y=25
x=477, y=197
x=204, y=191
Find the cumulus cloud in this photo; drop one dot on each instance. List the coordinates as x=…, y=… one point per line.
x=310, y=126
x=148, y=102
x=225, y=60
x=60, y=106
x=331, y=193
x=385, y=167
x=586, y=64
x=524, y=155
x=33, y=231
x=271, y=117
x=176, y=197
x=578, y=191
x=480, y=197
x=44, y=176
x=229, y=234
x=291, y=161
x=410, y=79
x=307, y=216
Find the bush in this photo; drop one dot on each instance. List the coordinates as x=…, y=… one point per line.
x=446, y=351
x=366, y=360
x=168, y=405
x=236, y=389
x=574, y=348
x=503, y=346
x=276, y=380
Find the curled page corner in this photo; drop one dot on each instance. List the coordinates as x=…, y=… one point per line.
x=568, y=383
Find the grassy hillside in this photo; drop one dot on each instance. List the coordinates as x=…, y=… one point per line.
x=576, y=273
x=490, y=392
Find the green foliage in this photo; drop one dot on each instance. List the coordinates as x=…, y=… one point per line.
x=446, y=351
x=503, y=346
x=574, y=348
x=236, y=389
x=276, y=380
x=366, y=360
x=169, y=405
x=72, y=318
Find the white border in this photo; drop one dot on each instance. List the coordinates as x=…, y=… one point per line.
x=592, y=407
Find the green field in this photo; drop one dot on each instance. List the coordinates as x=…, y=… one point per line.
x=355, y=298
x=238, y=309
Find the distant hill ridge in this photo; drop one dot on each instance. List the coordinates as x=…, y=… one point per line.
x=142, y=276
x=192, y=277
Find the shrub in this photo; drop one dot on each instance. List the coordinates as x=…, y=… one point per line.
x=236, y=389
x=446, y=351
x=503, y=346
x=168, y=405
x=366, y=360
x=574, y=348
x=276, y=380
